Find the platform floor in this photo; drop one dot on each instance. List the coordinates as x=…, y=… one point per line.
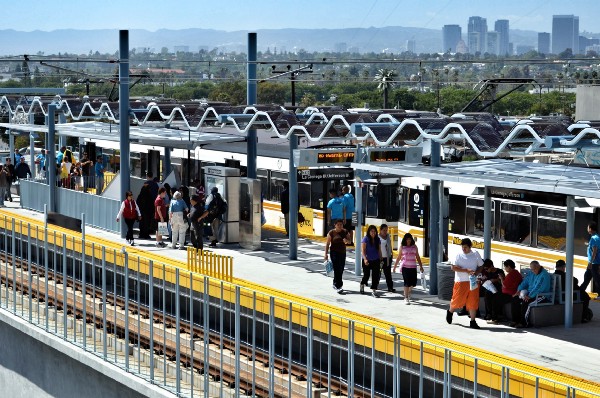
x=573, y=351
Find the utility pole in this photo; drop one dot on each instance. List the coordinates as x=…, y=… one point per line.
x=292, y=74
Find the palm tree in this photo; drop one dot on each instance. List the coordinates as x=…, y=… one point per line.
x=385, y=81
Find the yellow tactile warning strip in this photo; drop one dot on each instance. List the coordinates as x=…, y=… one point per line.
x=522, y=375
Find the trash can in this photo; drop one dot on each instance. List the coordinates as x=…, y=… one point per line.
x=445, y=281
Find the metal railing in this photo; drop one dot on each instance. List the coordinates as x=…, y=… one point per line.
x=198, y=336
x=100, y=212
x=210, y=264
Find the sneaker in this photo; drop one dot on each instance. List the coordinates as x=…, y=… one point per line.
x=407, y=301
x=474, y=324
x=449, y=316
x=334, y=288
x=213, y=243
x=162, y=244
x=362, y=289
x=158, y=244
x=492, y=322
x=374, y=293
x=340, y=291
x=132, y=243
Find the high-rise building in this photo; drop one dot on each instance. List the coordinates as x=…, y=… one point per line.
x=492, y=43
x=451, y=35
x=501, y=26
x=477, y=32
x=544, y=43
x=411, y=46
x=565, y=33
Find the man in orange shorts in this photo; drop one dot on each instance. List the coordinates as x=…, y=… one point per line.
x=466, y=264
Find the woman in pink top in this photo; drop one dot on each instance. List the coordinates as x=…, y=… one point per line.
x=409, y=254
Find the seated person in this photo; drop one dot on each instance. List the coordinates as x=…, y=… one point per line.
x=510, y=281
x=490, y=273
x=528, y=292
x=561, y=268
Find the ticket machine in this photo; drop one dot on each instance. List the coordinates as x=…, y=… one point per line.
x=250, y=213
x=227, y=180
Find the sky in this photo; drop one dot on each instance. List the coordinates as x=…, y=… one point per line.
x=232, y=15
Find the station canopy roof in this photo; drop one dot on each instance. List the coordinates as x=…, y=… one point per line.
x=157, y=136
x=501, y=173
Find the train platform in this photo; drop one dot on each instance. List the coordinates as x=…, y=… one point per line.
x=568, y=351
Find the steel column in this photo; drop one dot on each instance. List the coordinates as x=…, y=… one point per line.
x=569, y=253
x=293, y=190
x=434, y=217
x=51, y=158
x=84, y=278
x=31, y=147
x=487, y=224
x=124, y=115
x=237, y=340
x=177, y=334
x=251, y=90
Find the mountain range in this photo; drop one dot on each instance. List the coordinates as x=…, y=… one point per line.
x=389, y=39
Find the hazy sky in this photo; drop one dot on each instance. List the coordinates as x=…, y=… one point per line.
x=264, y=14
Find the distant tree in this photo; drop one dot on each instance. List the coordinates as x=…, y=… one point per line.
x=385, y=81
x=272, y=93
x=308, y=100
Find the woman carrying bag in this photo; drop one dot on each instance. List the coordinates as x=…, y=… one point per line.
x=371, y=259
x=130, y=212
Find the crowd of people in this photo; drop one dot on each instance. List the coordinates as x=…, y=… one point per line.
x=173, y=214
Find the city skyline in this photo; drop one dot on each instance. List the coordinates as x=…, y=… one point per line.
x=228, y=15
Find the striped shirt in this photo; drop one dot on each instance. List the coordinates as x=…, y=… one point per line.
x=409, y=256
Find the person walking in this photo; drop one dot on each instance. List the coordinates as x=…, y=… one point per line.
x=146, y=205
x=592, y=271
x=130, y=212
x=4, y=183
x=160, y=213
x=409, y=256
x=284, y=197
x=177, y=208
x=197, y=236
x=371, y=259
x=22, y=171
x=336, y=248
x=386, y=250
x=465, y=266
x=99, y=173
x=12, y=177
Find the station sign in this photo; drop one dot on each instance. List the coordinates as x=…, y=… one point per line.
x=324, y=157
x=394, y=154
x=325, y=174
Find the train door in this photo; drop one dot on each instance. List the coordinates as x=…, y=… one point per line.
x=418, y=213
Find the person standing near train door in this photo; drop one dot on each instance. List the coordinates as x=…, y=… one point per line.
x=593, y=251
x=349, y=209
x=99, y=169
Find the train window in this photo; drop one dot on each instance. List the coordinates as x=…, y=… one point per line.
x=276, y=186
x=372, y=199
x=474, y=217
x=263, y=176
x=551, y=229
x=515, y=223
x=304, y=194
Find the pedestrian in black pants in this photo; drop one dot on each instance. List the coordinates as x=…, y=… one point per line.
x=196, y=211
x=130, y=212
x=336, y=241
x=371, y=259
x=386, y=250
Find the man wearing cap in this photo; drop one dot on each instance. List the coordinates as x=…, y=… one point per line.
x=197, y=226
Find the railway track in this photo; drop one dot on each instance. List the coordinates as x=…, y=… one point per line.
x=151, y=338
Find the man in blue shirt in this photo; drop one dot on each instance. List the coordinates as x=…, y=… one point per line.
x=99, y=169
x=335, y=209
x=40, y=160
x=593, y=252
x=530, y=291
x=349, y=204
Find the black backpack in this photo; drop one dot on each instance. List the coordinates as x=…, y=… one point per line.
x=218, y=205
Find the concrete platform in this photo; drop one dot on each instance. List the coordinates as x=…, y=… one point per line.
x=573, y=351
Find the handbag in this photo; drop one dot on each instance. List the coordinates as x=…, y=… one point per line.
x=423, y=281
x=163, y=229
x=328, y=267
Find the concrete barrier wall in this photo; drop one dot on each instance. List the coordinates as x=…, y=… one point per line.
x=37, y=364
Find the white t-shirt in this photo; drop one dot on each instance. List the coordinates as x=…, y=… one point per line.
x=384, y=246
x=469, y=261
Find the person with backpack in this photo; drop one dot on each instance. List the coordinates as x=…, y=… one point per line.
x=130, y=212
x=215, y=207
